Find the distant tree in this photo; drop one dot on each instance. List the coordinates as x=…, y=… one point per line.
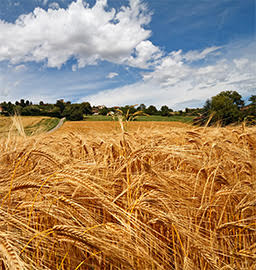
x=142, y=108
x=54, y=112
x=251, y=112
x=104, y=111
x=253, y=100
x=152, y=110
x=8, y=108
x=31, y=110
x=193, y=111
x=60, y=104
x=224, y=108
x=41, y=103
x=164, y=110
x=76, y=115
x=17, y=109
x=73, y=112
x=22, y=103
x=27, y=103
x=234, y=96
x=128, y=109
x=207, y=106
x=86, y=108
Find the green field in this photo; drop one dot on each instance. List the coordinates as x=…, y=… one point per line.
x=44, y=125
x=158, y=118
x=26, y=125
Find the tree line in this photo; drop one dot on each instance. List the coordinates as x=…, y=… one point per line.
x=228, y=107
x=225, y=108
x=75, y=111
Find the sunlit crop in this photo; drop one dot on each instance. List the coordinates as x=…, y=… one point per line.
x=150, y=197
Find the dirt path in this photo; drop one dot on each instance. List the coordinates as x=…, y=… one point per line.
x=61, y=122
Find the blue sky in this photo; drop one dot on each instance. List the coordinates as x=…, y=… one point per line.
x=117, y=52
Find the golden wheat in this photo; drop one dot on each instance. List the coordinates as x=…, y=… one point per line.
x=152, y=197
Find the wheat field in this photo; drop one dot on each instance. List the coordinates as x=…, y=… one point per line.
x=140, y=196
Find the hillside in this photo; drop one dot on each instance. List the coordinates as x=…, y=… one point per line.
x=26, y=125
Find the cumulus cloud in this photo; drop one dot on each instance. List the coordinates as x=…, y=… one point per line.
x=175, y=82
x=112, y=75
x=89, y=34
x=146, y=54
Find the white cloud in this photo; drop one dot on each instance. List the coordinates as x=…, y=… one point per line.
x=175, y=82
x=196, y=55
x=87, y=33
x=241, y=63
x=90, y=34
x=146, y=54
x=112, y=75
x=54, y=5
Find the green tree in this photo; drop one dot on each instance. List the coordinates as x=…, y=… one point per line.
x=234, y=96
x=142, y=107
x=164, y=110
x=53, y=112
x=73, y=112
x=17, y=109
x=22, y=103
x=8, y=108
x=31, y=110
x=128, y=108
x=224, y=108
x=76, y=115
x=60, y=104
x=253, y=100
x=152, y=110
x=104, y=111
x=251, y=111
x=86, y=108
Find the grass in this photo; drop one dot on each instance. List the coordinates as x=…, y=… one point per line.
x=183, y=119
x=29, y=124
x=154, y=197
x=44, y=125
x=174, y=118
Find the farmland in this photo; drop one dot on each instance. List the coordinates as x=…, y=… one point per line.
x=148, y=118
x=26, y=125
x=140, y=195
